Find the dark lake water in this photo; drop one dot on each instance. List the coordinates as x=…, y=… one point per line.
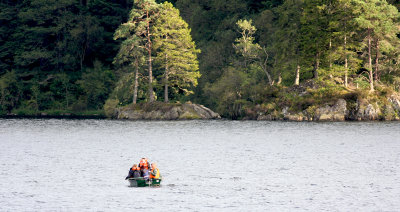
x=80, y=165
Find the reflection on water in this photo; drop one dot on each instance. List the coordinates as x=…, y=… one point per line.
x=80, y=165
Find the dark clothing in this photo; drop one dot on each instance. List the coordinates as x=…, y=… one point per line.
x=145, y=173
x=136, y=174
x=133, y=174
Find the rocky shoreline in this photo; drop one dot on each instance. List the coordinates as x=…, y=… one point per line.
x=165, y=111
x=341, y=110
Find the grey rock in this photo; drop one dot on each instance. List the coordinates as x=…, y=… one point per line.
x=389, y=113
x=337, y=112
x=395, y=103
x=267, y=117
x=285, y=112
x=201, y=111
x=174, y=112
x=296, y=117
x=369, y=113
x=292, y=117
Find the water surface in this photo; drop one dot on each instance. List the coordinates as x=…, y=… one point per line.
x=80, y=165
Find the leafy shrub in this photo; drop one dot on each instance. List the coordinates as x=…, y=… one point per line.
x=110, y=107
x=361, y=82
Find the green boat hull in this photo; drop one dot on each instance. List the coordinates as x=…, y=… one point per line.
x=141, y=182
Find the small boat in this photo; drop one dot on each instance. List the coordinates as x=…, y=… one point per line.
x=141, y=182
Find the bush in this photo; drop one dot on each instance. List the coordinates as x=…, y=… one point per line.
x=361, y=83
x=79, y=105
x=110, y=107
x=24, y=112
x=96, y=83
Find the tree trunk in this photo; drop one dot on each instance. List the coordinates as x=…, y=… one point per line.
x=297, y=80
x=135, y=88
x=330, y=54
x=279, y=74
x=345, y=62
x=82, y=56
x=371, y=79
x=316, y=66
x=264, y=65
x=377, y=61
x=270, y=81
x=279, y=78
x=151, y=94
x=166, y=79
x=66, y=95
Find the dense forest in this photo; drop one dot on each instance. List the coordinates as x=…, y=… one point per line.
x=232, y=55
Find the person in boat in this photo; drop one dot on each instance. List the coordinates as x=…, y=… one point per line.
x=146, y=174
x=155, y=172
x=134, y=172
x=144, y=166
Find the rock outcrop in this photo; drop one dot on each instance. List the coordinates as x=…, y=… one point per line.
x=349, y=108
x=341, y=110
x=162, y=111
x=337, y=112
x=368, y=112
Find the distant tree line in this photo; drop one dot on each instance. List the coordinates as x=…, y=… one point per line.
x=250, y=49
x=57, y=54
x=74, y=55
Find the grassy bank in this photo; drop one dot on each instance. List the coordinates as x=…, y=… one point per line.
x=25, y=113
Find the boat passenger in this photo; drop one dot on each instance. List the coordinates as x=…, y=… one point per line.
x=145, y=173
x=134, y=172
x=144, y=165
x=155, y=173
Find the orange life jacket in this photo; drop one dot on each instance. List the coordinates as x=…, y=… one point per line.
x=144, y=164
x=157, y=176
x=135, y=168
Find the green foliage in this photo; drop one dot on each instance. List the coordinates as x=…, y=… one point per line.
x=377, y=19
x=229, y=91
x=123, y=90
x=48, y=51
x=156, y=30
x=9, y=91
x=245, y=45
x=97, y=84
x=361, y=82
x=287, y=39
x=175, y=50
x=51, y=46
x=110, y=106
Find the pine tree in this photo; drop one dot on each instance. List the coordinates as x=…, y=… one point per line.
x=131, y=54
x=140, y=22
x=287, y=39
x=315, y=36
x=344, y=44
x=176, y=52
x=376, y=18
